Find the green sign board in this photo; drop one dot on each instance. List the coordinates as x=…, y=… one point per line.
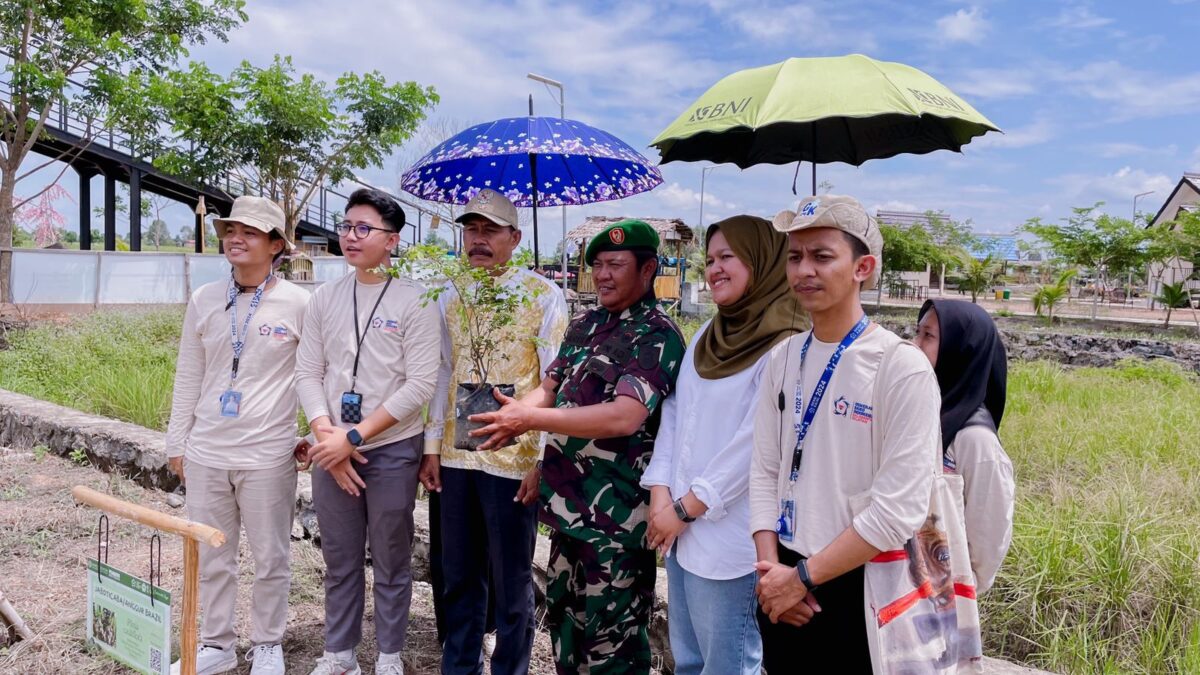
x=129, y=619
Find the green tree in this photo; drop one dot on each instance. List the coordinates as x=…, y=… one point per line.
x=54, y=48
x=284, y=133
x=432, y=238
x=1109, y=246
x=977, y=276
x=1173, y=296
x=1049, y=295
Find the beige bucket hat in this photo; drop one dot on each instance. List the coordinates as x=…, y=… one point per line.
x=257, y=212
x=840, y=213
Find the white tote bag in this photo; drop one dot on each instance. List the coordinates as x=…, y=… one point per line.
x=921, y=612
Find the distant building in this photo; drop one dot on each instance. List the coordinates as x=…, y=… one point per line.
x=1185, y=197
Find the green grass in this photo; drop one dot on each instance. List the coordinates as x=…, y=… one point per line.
x=117, y=364
x=1104, y=572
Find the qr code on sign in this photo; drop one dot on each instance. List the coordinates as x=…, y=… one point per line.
x=156, y=664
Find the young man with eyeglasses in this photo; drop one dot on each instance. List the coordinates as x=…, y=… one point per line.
x=366, y=368
x=233, y=430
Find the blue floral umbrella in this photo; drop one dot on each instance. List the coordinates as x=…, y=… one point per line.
x=534, y=161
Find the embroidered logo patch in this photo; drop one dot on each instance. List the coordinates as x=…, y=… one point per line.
x=841, y=406
x=809, y=209
x=617, y=236
x=862, y=413
x=264, y=329
x=377, y=323
x=280, y=333
x=390, y=326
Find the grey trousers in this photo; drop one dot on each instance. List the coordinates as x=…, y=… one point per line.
x=382, y=515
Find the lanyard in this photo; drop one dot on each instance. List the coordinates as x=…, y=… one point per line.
x=239, y=339
x=814, y=401
x=359, y=336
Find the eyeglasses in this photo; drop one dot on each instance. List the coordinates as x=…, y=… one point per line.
x=360, y=230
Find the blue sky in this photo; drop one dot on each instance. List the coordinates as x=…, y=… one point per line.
x=1099, y=100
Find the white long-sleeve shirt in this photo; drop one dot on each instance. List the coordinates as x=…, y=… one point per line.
x=263, y=434
x=988, y=492
x=519, y=360
x=837, y=462
x=400, y=354
x=704, y=445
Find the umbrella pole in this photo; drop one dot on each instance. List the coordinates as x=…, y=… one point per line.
x=814, y=159
x=533, y=181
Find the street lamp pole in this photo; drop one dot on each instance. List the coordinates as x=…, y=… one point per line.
x=703, y=176
x=562, y=113
x=1135, y=201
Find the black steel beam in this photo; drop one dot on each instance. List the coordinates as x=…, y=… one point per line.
x=135, y=210
x=85, y=209
x=110, y=212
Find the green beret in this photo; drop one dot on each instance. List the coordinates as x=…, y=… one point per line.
x=626, y=235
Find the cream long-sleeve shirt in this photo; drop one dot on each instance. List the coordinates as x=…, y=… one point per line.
x=988, y=493
x=837, y=462
x=398, y=365
x=263, y=434
x=704, y=445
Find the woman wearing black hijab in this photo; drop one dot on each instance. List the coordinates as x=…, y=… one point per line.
x=967, y=355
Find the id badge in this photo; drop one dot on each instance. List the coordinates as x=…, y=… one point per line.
x=351, y=407
x=786, y=527
x=231, y=403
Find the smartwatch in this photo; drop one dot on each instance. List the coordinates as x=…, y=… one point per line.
x=354, y=437
x=802, y=571
x=682, y=512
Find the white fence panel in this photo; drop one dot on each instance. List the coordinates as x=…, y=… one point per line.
x=142, y=278
x=54, y=277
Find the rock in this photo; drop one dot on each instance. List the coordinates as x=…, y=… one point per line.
x=175, y=500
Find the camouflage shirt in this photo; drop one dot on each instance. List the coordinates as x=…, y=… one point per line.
x=589, y=487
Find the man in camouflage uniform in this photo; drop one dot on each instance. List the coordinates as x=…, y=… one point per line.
x=600, y=406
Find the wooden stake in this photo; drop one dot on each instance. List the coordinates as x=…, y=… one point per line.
x=191, y=592
x=9, y=613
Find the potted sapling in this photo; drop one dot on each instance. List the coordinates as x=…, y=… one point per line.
x=483, y=312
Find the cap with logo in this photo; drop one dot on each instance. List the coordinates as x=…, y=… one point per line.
x=493, y=206
x=840, y=213
x=625, y=235
x=257, y=212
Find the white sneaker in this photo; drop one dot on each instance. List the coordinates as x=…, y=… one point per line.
x=210, y=661
x=267, y=660
x=489, y=644
x=330, y=664
x=389, y=664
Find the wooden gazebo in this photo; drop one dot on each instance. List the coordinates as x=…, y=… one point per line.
x=673, y=232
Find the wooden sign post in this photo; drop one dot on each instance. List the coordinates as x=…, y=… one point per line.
x=193, y=534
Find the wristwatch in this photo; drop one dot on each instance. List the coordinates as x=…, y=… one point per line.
x=354, y=437
x=802, y=571
x=682, y=512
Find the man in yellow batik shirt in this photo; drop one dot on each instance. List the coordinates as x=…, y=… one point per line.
x=487, y=516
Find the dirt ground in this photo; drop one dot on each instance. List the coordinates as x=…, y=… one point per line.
x=45, y=540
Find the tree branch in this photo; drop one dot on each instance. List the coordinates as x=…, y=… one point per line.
x=17, y=205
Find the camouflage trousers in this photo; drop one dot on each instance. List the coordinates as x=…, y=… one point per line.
x=599, y=600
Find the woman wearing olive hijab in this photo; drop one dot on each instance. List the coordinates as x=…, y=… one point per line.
x=699, y=473
x=964, y=347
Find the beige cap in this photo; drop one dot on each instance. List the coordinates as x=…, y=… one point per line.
x=493, y=206
x=840, y=213
x=257, y=212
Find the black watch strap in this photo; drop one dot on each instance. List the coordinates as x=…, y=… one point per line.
x=802, y=571
x=682, y=512
x=354, y=437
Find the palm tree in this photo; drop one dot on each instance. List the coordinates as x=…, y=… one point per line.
x=977, y=276
x=1049, y=295
x=1172, y=296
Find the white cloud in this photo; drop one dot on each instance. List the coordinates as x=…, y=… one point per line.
x=811, y=25
x=1039, y=131
x=995, y=83
x=1134, y=93
x=1124, y=149
x=894, y=205
x=675, y=196
x=965, y=25
x=1115, y=188
x=1078, y=17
